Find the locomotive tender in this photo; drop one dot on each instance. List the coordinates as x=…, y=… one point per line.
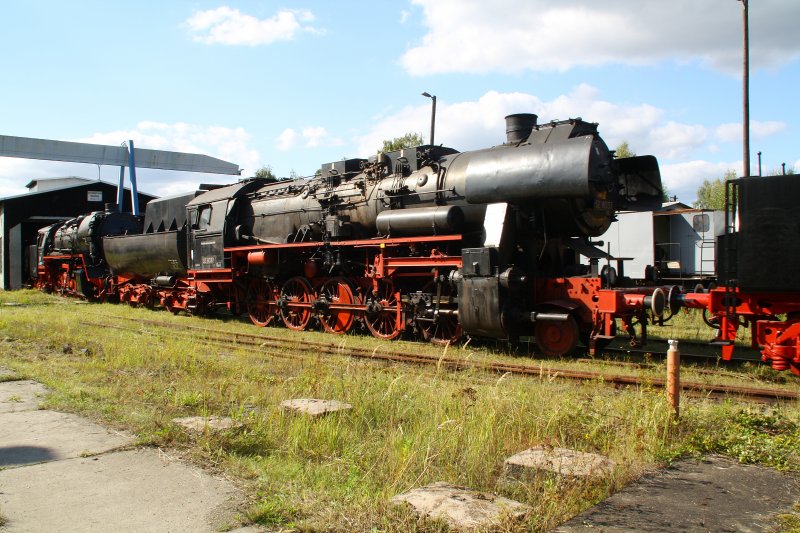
x=427, y=240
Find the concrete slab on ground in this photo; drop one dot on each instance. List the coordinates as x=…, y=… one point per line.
x=314, y=407
x=202, y=424
x=461, y=508
x=136, y=490
x=561, y=461
x=21, y=395
x=713, y=494
x=34, y=436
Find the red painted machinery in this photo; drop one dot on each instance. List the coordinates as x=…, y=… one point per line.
x=760, y=288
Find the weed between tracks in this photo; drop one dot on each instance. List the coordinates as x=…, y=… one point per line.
x=410, y=426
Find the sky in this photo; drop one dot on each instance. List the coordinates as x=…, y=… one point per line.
x=297, y=84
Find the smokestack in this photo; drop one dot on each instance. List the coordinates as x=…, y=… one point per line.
x=519, y=127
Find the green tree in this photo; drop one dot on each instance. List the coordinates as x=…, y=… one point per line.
x=266, y=173
x=711, y=194
x=777, y=171
x=409, y=140
x=624, y=150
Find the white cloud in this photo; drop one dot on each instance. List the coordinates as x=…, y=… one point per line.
x=315, y=136
x=518, y=35
x=179, y=186
x=676, y=140
x=466, y=125
x=683, y=179
x=226, y=25
x=480, y=123
x=229, y=144
x=732, y=132
x=286, y=140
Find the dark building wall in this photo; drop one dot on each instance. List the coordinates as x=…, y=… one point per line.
x=26, y=214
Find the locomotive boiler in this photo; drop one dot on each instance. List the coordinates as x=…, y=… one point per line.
x=561, y=173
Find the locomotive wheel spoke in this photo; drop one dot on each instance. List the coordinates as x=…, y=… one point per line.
x=335, y=319
x=556, y=338
x=297, y=295
x=445, y=329
x=260, y=300
x=386, y=322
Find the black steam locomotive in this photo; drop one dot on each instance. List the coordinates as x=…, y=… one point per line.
x=426, y=240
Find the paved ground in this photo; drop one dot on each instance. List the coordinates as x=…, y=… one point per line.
x=713, y=494
x=62, y=472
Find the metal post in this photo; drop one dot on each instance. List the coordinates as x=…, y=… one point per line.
x=746, y=94
x=759, y=162
x=783, y=168
x=134, y=190
x=674, y=378
x=433, y=114
x=121, y=188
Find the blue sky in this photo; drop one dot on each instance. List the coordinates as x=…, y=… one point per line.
x=293, y=85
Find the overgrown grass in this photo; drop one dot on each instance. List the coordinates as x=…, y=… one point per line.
x=790, y=522
x=409, y=426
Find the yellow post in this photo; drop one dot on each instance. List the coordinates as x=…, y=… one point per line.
x=674, y=377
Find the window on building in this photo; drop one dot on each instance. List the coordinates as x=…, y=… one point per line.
x=701, y=223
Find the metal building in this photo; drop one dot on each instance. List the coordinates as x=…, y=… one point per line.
x=678, y=241
x=47, y=202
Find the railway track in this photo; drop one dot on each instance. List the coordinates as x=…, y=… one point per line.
x=275, y=345
x=686, y=355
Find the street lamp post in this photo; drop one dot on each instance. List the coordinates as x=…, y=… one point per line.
x=433, y=113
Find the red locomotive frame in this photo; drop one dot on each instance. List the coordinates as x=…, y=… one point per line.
x=380, y=297
x=778, y=340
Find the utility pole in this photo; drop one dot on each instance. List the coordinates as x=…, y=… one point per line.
x=746, y=93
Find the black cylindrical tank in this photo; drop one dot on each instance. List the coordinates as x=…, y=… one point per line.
x=146, y=256
x=438, y=220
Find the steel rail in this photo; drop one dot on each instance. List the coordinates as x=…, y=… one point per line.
x=267, y=341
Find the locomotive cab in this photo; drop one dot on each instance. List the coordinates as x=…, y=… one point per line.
x=212, y=223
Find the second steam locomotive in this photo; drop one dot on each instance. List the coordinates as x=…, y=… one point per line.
x=428, y=240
